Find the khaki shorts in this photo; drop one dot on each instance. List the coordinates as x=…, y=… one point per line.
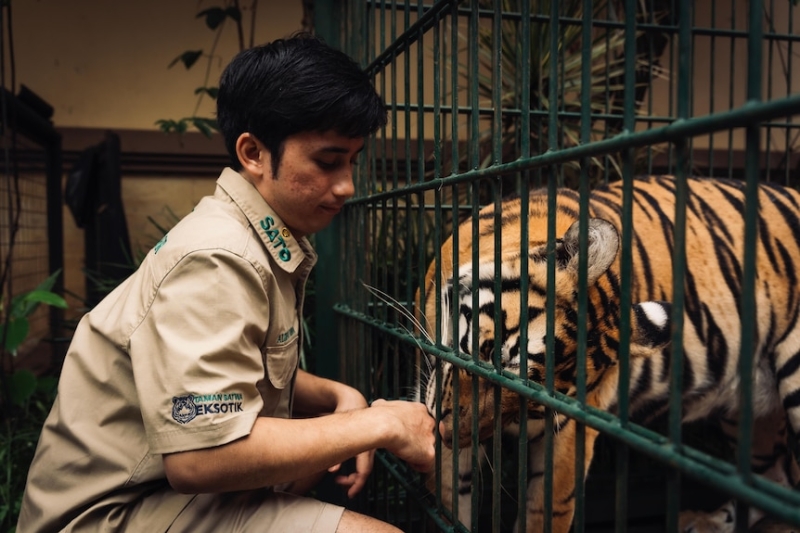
x=257, y=511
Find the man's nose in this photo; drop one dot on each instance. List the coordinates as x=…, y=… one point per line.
x=344, y=187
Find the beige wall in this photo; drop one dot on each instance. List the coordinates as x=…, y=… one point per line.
x=104, y=64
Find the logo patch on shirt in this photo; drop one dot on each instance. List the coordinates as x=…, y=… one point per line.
x=187, y=408
x=183, y=409
x=284, y=337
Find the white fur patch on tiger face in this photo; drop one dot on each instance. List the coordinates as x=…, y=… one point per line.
x=656, y=314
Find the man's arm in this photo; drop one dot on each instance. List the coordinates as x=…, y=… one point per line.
x=282, y=450
x=315, y=396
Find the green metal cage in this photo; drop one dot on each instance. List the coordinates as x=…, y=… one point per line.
x=492, y=97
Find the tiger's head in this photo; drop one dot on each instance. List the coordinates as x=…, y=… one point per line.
x=474, y=293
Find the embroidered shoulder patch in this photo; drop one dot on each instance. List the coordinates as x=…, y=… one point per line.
x=184, y=409
x=159, y=244
x=187, y=408
x=275, y=237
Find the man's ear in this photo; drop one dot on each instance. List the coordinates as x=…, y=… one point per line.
x=253, y=156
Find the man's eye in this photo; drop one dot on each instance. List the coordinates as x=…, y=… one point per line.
x=327, y=165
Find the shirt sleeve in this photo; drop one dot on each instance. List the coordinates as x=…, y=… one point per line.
x=197, y=354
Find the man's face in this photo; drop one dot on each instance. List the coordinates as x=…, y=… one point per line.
x=314, y=178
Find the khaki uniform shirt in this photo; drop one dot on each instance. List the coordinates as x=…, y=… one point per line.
x=185, y=354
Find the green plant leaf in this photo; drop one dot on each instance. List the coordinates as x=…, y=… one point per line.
x=214, y=16
x=22, y=305
x=235, y=14
x=49, y=281
x=210, y=91
x=188, y=58
x=23, y=385
x=46, y=384
x=207, y=126
x=25, y=304
x=173, y=126
x=17, y=332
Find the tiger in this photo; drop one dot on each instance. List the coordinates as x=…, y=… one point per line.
x=714, y=247
x=722, y=520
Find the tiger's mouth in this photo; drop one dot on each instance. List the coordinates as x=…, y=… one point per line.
x=464, y=436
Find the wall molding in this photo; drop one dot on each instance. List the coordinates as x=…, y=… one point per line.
x=151, y=152
x=154, y=153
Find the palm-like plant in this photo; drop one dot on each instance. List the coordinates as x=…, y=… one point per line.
x=606, y=80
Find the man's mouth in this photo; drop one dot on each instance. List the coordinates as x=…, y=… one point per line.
x=331, y=209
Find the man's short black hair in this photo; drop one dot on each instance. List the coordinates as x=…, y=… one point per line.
x=295, y=85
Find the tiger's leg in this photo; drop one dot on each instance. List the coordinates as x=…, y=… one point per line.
x=786, y=361
x=723, y=520
x=464, y=486
x=563, y=496
x=771, y=452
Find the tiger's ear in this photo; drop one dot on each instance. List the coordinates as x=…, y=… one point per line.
x=602, y=249
x=650, y=327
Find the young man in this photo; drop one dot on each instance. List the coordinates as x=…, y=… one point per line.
x=175, y=400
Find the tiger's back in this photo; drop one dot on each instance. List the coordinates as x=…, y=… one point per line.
x=712, y=293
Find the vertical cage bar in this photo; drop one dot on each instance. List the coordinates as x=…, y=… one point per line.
x=552, y=189
x=497, y=148
x=583, y=245
x=679, y=260
x=731, y=86
x=787, y=147
x=748, y=303
x=622, y=454
x=497, y=83
x=712, y=85
x=525, y=148
x=474, y=132
x=454, y=101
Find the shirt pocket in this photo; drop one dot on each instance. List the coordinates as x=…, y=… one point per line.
x=282, y=363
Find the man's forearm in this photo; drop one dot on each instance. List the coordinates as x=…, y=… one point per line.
x=314, y=395
x=277, y=451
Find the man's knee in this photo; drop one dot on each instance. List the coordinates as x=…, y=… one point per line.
x=352, y=522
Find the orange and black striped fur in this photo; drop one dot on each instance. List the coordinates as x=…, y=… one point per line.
x=712, y=329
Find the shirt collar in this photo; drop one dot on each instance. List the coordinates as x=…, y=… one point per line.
x=288, y=252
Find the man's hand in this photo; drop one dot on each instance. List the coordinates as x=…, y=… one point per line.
x=354, y=482
x=414, y=440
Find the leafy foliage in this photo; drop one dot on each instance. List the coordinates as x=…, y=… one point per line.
x=205, y=125
x=606, y=82
x=14, y=329
x=33, y=398
x=215, y=18
x=188, y=58
x=26, y=398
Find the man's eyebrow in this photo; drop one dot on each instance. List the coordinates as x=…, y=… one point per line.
x=339, y=149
